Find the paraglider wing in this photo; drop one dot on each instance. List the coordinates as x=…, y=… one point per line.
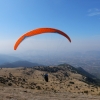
x=39, y=31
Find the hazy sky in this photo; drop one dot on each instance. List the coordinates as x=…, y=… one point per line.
x=80, y=19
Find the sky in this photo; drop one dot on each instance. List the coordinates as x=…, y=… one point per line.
x=79, y=19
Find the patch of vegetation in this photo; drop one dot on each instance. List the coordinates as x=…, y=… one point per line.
x=9, y=84
x=71, y=82
x=38, y=87
x=86, y=92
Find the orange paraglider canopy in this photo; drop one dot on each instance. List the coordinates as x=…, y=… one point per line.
x=39, y=31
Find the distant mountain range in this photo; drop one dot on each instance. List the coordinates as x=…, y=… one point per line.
x=19, y=64
x=23, y=63
x=8, y=59
x=76, y=59
x=89, y=61
x=30, y=64
x=12, y=61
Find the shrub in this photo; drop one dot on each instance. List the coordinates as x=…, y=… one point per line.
x=86, y=91
x=10, y=84
x=71, y=82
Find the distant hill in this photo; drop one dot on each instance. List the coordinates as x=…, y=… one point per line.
x=68, y=70
x=19, y=64
x=89, y=77
x=8, y=59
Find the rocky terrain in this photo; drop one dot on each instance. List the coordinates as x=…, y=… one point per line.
x=65, y=83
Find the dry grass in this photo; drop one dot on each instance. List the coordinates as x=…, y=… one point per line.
x=29, y=84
